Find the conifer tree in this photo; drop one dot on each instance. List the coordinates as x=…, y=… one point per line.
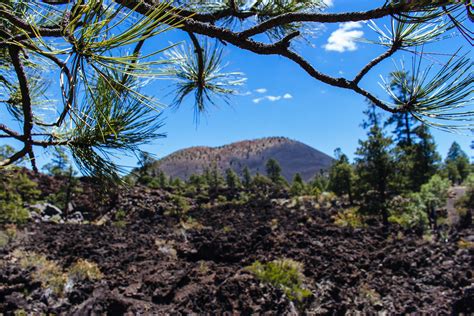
x=374, y=167
x=457, y=164
x=415, y=150
x=246, y=177
x=404, y=123
x=341, y=175
x=297, y=186
x=215, y=180
x=232, y=180
x=425, y=158
x=274, y=171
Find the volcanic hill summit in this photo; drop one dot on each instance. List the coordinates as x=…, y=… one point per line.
x=293, y=157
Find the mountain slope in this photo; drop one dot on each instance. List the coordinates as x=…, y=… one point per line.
x=293, y=157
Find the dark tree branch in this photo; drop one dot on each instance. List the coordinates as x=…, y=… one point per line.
x=281, y=48
x=288, y=18
x=375, y=62
x=28, y=28
x=11, y=133
x=14, y=52
x=200, y=59
x=17, y=156
x=32, y=159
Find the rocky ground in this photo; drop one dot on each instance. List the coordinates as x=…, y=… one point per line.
x=152, y=264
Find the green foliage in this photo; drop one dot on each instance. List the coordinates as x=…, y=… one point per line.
x=349, y=218
x=51, y=275
x=273, y=170
x=84, y=270
x=180, y=207
x=16, y=189
x=246, y=177
x=425, y=158
x=47, y=272
x=469, y=184
x=59, y=165
x=297, y=186
x=465, y=205
x=202, y=74
x=374, y=167
x=286, y=274
x=408, y=211
x=457, y=164
x=120, y=219
x=214, y=179
x=232, y=180
x=320, y=184
x=261, y=185
x=434, y=193
x=341, y=176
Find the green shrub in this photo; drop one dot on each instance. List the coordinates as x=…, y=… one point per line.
x=119, y=219
x=16, y=189
x=4, y=239
x=85, y=270
x=408, y=211
x=285, y=274
x=51, y=275
x=349, y=218
x=47, y=272
x=465, y=244
x=13, y=212
x=221, y=199
x=180, y=207
x=434, y=193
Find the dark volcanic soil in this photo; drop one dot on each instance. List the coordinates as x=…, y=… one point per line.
x=153, y=265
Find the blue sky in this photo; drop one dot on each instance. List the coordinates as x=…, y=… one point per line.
x=280, y=99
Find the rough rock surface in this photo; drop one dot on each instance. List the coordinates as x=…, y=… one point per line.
x=154, y=265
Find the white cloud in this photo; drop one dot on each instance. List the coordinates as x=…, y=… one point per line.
x=272, y=98
x=345, y=37
x=261, y=90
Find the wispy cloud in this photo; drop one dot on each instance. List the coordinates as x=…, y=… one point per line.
x=261, y=90
x=272, y=98
x=344, y=38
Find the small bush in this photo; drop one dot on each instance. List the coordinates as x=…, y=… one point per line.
x=85, y=270
x=47, y=272
x=408, y=211
x=7, y=234
x=12, y=211
x=16, y=189
x=327, y=198
x=191, y=223
x=349, y=218
x=4, y=239
x=120, y=221
x=286, y=274
x=51, y=275
x=221, y=199
x=465, y=244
